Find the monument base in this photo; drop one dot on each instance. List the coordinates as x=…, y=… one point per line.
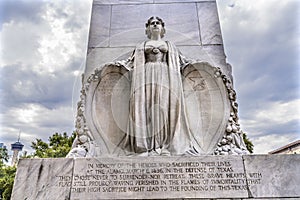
x=203, y=177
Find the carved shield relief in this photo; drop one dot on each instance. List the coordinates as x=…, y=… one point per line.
x=207, y=105
x=107, y=98
x=107, y=109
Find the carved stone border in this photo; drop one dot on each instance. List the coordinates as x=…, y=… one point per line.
x=230, y=144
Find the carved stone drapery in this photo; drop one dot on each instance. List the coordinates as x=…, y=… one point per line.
x=157, y=102
x=102, y=111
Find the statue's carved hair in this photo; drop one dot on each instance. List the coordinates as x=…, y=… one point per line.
x=148, y=33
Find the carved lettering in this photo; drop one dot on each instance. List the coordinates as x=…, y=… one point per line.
x=153, y=177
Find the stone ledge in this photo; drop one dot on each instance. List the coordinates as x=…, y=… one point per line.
x=203, y=177
x=135, y=2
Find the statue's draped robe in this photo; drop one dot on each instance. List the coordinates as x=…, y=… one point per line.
x=157, y=116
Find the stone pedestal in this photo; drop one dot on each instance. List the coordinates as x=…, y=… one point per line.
x=205, y=177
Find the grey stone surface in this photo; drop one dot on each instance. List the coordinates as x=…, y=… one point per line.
x=205, y=177
x=178, y=1
x=97, y=56
x=100, y=26
x=121, y=23
x=42, y=179
x=207, y=105
x=129, y=29
x=281, y=173
x=209, y=23
x=158, y=177
x=116, y=2
x=213, y=54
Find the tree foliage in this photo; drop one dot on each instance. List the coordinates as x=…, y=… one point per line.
x=3, y=155
x=248, y=143
x=7, y=175
x=58, y=145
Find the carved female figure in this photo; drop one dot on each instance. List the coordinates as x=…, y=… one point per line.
x=157, y=123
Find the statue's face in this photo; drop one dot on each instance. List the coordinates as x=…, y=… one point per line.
x=155, y=26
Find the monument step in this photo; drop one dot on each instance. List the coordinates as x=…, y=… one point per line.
x=159, y=177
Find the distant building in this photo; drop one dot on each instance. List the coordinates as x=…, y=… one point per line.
x=2, y=145
x=292, y=148
x=16, y=148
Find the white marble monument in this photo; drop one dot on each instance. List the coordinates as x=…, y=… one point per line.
x=157, y=116
x=165, y=96
x=159, y=177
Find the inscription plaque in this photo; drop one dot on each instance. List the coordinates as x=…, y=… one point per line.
x=213, y=177
x=161, y=177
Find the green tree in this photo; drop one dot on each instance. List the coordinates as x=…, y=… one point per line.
x=3, y=155
x=248, y=143
x=7, y=175
x=58, y=145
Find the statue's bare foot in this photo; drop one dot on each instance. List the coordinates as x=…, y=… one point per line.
x=165, y=152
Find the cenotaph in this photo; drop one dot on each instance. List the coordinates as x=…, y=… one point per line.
x=157, y=116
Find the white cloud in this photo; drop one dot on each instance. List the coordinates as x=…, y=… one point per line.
x=275, y=125
x=35, y=121
x=41, y=56
x=19, y=41
x=49, y=45
x=277, y=112
x=262, y=41
x=36, y=115
x=263, y=145
x=61, y=43
x=258, y=29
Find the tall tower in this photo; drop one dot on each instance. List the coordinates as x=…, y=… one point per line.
x=16, y=148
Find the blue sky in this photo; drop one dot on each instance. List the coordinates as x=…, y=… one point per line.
x=43, y=47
